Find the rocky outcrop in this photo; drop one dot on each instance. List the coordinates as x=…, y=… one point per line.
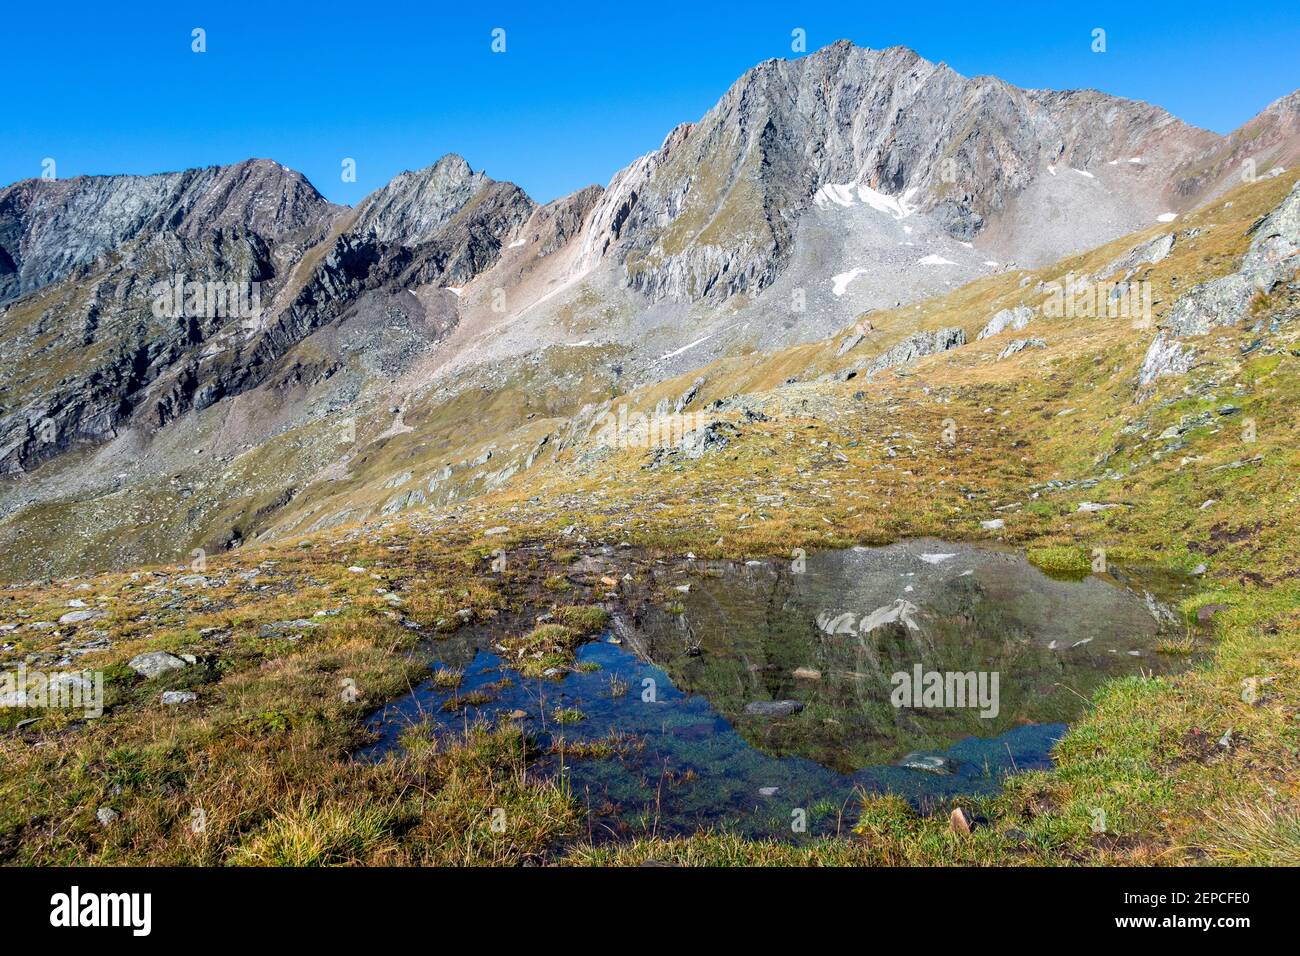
x=1270, y=259
x=1016, y=319
x=917, y=346
x=1019, y=345
x=1146, y=253
x=1166, y=356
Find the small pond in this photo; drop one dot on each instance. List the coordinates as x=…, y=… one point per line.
x=753, y=696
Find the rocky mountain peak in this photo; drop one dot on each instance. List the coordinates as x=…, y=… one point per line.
x=413, y=206
x=717, y=214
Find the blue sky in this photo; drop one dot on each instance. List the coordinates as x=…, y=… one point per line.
x=582, y=89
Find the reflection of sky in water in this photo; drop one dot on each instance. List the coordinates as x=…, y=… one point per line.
x=694, y=766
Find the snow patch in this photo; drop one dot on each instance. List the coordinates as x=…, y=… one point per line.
x=1167, y=217
x=934, y=260
x=840, y=283
x=847, y=194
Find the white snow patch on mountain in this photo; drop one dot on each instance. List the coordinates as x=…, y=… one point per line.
x=840, y=283
x=847, y=194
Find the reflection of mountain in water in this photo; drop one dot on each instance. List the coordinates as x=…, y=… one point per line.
x=833, y=636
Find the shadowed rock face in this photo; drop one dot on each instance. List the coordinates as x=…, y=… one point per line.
x=85, y=257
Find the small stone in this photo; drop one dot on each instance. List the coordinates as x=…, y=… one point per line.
x=1206, y=614
x=106, y=816
x=768, y=791
x=517, y=714
x=175, y=697
x=774, y=708
x=807, y=673
x=993, y=525
x=77, y=617
x=959, y=821
x=500, y=529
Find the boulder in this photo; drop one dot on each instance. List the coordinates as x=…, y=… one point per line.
x=1015, y=319
x=1019, y=345
x=155, y=663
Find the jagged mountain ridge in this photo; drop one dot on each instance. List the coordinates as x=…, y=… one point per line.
x=88, y=253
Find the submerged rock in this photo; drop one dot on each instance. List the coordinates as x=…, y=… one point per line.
x=929, y=763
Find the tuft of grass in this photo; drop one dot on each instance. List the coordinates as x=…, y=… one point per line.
x=448, y=678
x=585, y=618
x=1177, y=646
x=1060, y=560
x=568, y=715
x=329, y=835
x=1255, y=834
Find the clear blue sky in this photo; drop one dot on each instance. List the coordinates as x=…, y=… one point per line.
x=582, y=89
